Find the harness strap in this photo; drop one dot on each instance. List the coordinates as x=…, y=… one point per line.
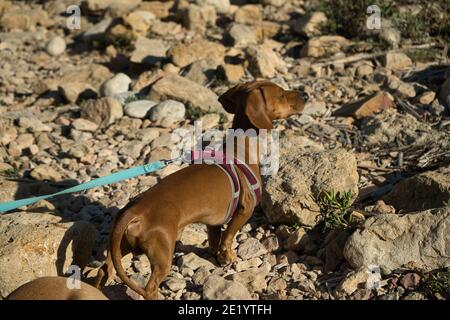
x=228, y=166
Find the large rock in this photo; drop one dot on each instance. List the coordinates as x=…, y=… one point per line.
x=324, y=46
x=248, y=14
x=423, y=191
x=139, y=21
x=118, y=84
x=98, y=30
x=244, y=35
x=218, y=288
x=116, y=5
x=184, y=54
x=291, y=195
x=396, y=60
x=102, y=111
x=221, y=6
x=148, y=51
x=45, y=172
x=251, y=248
x=192, y=261
x=254, y=279
x=168, y=111
x=417, y=240
x=184, y=90
x=198, y=18
x=56, y=46
x=202, y=71
x=158, y=8
x=309, y=25
x=93, y=74
x=35, y=245
x=264, y=62
x=24, y=19
x=366, y=106
x=391, y=126
x=139, y=108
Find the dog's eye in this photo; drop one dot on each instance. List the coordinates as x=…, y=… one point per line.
x=304, y=96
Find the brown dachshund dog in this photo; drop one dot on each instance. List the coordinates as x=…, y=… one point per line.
x=150, y=223
x=55, y=288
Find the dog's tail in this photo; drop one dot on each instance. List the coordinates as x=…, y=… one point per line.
x=115, y=240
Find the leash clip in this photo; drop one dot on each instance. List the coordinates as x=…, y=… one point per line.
x=170, y=161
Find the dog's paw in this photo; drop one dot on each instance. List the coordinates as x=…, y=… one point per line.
x=226, y=257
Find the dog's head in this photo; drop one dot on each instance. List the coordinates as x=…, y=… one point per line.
x=261, y=102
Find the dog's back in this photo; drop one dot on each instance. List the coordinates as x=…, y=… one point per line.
x=55, y=288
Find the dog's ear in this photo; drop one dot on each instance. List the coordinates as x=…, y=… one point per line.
x=236, y=96
x=231, y=99
x=256, y=110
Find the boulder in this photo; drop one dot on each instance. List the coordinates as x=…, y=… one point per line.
x=148, y=51
x=169, y=112
x=389, y=126
x=184, y=54
x=56, y=46
x=415, y=241
x=254, y=279
x=199, y=18
x=324, y=46
x=218, y=288
x=264, y=62
x=118, y=6
x=244, y=35
x=139, y=21
x=36, y=245
x=251, y=248
x=192, y=261
x=248, y=14
x=116, y=85
x=102, y=111
x=396, y=61
x=421, y=192
x=181, y=89
x=159, y=9
x=366, y=106
x=139, y=109
x=308, y=25
x=221, y=6
x=291, y=195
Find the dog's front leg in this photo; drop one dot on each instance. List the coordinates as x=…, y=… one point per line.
x=225, y=254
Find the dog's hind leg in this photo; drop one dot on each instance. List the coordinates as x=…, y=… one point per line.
x=159, y=249
x=106, y=272
x=214, y=235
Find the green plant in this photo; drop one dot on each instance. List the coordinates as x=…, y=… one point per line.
x=437, y=284
x=447, y=204
x=194, y=113
x=422, y=55
x=123, y=41
x=348, y=17
x=294, y=227
x=131, y=98
x=335, y=210
x=424, y=20
x=10, y=173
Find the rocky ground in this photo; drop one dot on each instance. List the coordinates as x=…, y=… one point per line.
x=360, y=208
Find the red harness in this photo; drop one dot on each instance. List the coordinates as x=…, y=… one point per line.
x=228, y=166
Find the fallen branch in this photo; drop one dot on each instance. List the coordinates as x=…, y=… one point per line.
x=368, y=56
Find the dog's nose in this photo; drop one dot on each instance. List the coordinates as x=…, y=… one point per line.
x=304, y=96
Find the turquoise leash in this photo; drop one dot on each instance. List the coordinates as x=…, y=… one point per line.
x=112, y=178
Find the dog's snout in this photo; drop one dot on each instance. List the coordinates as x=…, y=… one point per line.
x=304, y=96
